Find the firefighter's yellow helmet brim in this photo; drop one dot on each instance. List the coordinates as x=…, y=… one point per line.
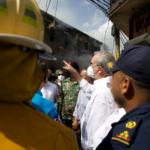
x=25, y=41
x=22, y=24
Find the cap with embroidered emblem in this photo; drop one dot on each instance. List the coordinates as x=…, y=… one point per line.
x=134, y=62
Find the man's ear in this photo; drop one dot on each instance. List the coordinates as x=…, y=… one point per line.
x=126, y=85
x=100, y=69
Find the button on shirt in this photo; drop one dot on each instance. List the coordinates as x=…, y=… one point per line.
x=50, y=91
x=82, y=101
x=99, y=108
x=132, y=132
x=102, y=132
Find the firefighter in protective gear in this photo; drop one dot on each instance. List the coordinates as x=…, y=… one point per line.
x=21, y=126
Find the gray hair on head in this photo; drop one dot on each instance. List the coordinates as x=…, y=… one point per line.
x=105, y=58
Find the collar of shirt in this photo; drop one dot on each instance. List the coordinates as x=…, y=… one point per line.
x=136, y=111
x=48, y=84
x=72, y=82
x=102, y=80
x=119, y=111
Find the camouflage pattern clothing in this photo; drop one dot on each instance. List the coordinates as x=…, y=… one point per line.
x=67, y=98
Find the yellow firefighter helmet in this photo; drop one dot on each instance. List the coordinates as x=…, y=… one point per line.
x=21, y=23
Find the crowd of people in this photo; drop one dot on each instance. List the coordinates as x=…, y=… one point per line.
x=82, y=101
x=105, y=106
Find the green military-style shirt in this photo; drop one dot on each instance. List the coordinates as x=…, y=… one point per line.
x=67, y=98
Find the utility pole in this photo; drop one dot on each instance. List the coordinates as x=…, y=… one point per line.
x=101, y=48
x=117, y=43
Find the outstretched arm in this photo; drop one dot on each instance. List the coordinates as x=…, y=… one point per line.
x=73, y=71
x=84, y=85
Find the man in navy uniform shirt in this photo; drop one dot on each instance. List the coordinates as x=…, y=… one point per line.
x=130, y=86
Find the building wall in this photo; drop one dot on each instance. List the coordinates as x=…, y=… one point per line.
x=69, y=45
x=140, y=23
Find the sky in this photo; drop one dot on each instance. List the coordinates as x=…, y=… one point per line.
x=83, y=16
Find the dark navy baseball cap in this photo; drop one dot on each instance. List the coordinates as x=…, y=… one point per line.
x=134, y=61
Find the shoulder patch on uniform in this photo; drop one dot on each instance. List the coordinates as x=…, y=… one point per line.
x=131, y=124
x=124, y=135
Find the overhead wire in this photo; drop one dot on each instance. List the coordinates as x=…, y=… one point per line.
x=102, y=3
x=47, y=5
x=106, y=2
x=99, y=7
x=104, y=6
x=56, y=8
x=46, y=9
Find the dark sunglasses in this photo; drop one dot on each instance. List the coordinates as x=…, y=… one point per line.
x=61, y=74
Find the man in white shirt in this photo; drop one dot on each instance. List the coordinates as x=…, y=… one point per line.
x=101, y=104
x=102, y=132
x=98, y=109
x=83, y=98
x=50, y=91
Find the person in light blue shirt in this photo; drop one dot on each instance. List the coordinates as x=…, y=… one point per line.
x=42, y=104
x=45, y=106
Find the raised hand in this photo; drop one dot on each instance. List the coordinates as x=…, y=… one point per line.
x=69, y=67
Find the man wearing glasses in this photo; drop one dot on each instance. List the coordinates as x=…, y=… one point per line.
x=101, y=104
x=60, y=77
x=67, y=97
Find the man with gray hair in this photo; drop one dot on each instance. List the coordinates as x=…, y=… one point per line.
x=101, y=104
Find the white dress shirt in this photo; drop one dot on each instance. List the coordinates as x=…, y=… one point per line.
x=82, y=101
x=98, y=109
x=103, y=130
x=50, y=91
x=86, y=86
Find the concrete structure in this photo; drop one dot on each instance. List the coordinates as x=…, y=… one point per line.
x=68, y=43
x=133, y=18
